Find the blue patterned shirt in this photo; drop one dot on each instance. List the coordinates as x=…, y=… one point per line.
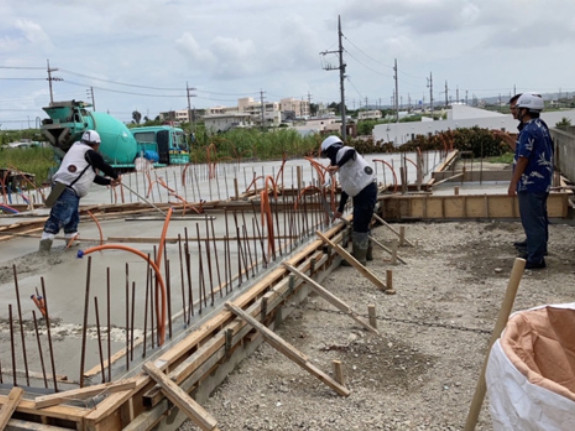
x=535, y=144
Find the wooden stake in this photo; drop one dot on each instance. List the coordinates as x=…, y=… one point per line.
x=331, y=298
x=387, y=250
x=504, y=311
x=181, y=399
x=288, y=350
x=338, y=372
x=372, y=315
x=391, y=228
x=362, y=269
x=394, y=253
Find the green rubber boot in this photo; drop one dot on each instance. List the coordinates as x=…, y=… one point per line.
x=359, y=244
x=369, y=254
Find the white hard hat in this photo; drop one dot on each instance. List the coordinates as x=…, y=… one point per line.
x=531, y=101
x=91, y=137
x=328, y=142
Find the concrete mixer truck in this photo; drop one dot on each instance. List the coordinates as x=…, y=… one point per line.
x=121, y=147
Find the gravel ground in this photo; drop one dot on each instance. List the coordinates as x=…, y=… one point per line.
x=421, y=372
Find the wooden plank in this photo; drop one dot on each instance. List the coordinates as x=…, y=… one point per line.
x=20, y=425
x=181, y=399
x=288, y=350
x=14, y=398
x=86, y=392
x=362, y=269
x=331, y=298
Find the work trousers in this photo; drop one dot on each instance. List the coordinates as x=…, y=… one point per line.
x=533, y=211
x=363, y=207
x=64, y=214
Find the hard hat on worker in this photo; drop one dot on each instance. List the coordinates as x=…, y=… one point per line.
x=328, y=142
x=91, y=137
x=531, y=101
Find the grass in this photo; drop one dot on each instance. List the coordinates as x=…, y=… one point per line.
x=38, y=161
x=504, y=158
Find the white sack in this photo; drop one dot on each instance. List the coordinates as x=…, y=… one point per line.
x=517, y=404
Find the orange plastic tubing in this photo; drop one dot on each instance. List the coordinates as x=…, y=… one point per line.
x=392, y=172
x=160, y=314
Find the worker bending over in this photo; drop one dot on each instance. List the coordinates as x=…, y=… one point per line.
x=357, y=180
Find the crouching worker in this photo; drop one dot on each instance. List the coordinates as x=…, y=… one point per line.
x=357, y=180
x=78, y=170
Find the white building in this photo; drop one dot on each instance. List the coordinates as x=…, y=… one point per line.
x=373, y=114
x=460, y=116
x=218, y=123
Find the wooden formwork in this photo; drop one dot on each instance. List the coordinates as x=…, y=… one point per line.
x=484, y=206
x=197, y=362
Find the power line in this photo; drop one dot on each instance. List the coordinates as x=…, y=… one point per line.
x=120, y=83
x=22, y=67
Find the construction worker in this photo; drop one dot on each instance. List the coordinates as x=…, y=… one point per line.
x=357, y=179
x=532, y=176
x=78, y=170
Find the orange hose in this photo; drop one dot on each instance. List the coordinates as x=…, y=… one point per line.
x=160, y=317
x=98, y=225
x=266, y=212
x=392, y=172
x=163, y=238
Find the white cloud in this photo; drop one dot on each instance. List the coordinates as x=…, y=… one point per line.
x=236, y=49
x=33, y=33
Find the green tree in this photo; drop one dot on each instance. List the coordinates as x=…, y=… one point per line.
x=136, y=117
x=564, y=124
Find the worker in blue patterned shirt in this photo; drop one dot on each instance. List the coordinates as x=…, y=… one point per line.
x=532, y=176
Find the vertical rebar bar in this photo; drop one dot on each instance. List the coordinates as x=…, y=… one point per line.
x=109, y=323
x=12, y=348
x=97, y=312
x=169, y=297
x=22, y=334
x=216, y=255
x=40, y=354
x=49, y=332
x=209, y=258
x=148, y=287
x=133, y=314
x=127, y=295
x=202, y=281
x=182, y=286
x=85, y=323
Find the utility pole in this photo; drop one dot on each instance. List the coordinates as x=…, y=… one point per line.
x=430, y=86
x=446, y=95
x=50, y=79
x=263, y=107
x=191, y=115
x=396, y=91
x=457, y=94
x=90, y=94
x=341, y=69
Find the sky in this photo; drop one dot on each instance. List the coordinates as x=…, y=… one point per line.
x=144, y=55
